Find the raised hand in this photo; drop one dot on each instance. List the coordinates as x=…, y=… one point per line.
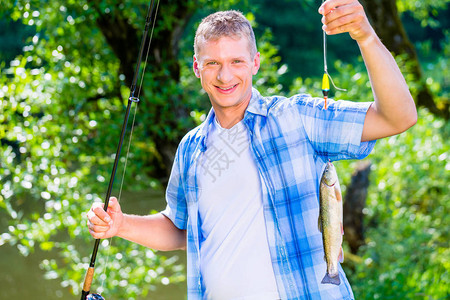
x=346, y=16
x=103, y=224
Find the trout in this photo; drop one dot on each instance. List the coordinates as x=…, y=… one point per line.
x=331, y=223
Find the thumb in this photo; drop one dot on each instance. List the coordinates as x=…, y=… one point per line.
x=113, y=206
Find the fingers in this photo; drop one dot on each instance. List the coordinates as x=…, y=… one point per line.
x=345, y=16
x=330, y=5
x=113, y=205
x=97, y=231
x=339, y=18
x=99, y=221
x=97, y=215
x=338, y=27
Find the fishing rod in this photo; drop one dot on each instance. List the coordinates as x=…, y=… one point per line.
x=133, y=98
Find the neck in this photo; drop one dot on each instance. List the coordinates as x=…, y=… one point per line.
x=228, y=120
x=230, y=116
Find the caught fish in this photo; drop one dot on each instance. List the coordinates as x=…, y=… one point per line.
x=331, y=223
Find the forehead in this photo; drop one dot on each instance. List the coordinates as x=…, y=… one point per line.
x=223, y=47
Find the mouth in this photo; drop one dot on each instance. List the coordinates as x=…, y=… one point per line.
x=226, y=90
x=329, y=185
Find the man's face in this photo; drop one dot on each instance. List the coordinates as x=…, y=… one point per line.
x=225, y=68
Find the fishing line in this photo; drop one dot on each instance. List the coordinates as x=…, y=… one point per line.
x=129, y=141
x=110, y=240
x=326, y=75
x=325, y=66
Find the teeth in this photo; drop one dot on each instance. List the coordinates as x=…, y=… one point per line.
x=227, y=89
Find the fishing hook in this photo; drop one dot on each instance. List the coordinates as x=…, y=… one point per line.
x=133, y=98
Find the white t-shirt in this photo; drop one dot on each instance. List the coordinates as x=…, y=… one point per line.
x=234, y=255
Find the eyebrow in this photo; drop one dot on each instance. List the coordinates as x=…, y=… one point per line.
x=239, y=58
x=209, y=59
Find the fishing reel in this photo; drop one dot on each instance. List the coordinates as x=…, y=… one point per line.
x=94, y=297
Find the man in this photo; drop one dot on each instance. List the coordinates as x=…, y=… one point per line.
x=243, y=194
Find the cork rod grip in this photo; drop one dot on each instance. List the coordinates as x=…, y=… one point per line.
x=88, y=279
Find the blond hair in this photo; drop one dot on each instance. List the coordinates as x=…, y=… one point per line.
x=230, y=23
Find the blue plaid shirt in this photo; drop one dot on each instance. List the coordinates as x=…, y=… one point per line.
x=291, y=141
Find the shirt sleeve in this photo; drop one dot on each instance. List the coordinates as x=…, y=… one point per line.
x=335, y=133
x=176, y=208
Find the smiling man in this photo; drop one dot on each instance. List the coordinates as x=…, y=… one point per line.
x=243, y=193
x=225, y=66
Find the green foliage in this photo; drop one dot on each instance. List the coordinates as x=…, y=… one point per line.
x=62, y=105
x=12, y=44
x=125, y=270
x=62, y=101
x=49, y=169
x=437, y=71
x=407, y=254
x=425, y=11
x=267, y=81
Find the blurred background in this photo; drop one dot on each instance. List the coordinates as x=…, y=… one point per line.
x=66, y=68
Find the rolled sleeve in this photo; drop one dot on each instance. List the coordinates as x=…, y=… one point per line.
x=176, y=208
x=335, y=133
x=356, y=148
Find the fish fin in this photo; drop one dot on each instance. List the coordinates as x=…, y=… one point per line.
x=341, y=255
x=333, y=280
x=319, y=224
x=337, y=191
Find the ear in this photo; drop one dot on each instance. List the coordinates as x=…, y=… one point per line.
x=256, y=63
x=195, y=67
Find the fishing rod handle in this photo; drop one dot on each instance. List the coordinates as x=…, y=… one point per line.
x=87, y=283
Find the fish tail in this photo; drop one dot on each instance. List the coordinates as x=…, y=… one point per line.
x=333, y=280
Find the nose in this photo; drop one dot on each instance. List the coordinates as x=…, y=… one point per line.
x=225, y=74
